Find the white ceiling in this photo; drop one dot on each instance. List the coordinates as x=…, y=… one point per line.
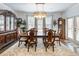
x=48, y=7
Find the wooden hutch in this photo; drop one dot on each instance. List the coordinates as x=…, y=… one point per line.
x=8, y=32
x=61, y=27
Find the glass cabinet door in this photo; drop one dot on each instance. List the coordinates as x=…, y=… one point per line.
x=12, y=23
x=8, y=23
x=1, y=23
x=15, y=23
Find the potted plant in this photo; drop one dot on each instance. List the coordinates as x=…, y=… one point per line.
x=19, y=22
x=23, y=26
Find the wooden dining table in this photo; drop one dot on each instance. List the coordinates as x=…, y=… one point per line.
x=42, y=36
x=39, y=36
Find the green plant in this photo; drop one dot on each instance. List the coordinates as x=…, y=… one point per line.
x=19, y=22
x=23, y=25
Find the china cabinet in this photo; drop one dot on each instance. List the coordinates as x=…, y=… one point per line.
x=8, y=31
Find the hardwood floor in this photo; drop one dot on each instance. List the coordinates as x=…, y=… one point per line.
x=7, y=47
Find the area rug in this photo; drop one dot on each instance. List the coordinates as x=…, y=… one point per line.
x=40, y=51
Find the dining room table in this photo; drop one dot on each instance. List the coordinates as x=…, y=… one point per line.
x=42, y=36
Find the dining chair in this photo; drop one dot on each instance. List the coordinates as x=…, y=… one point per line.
x=23, y=39
x=32, y=41
x=58, y=39
x=49, y=40
x=45, y=30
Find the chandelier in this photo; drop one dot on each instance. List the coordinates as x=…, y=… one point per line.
x=40, y=13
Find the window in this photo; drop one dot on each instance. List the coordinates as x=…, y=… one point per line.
x=40, y=26
x=31, y=22
x=77, y=28
x=48, y=21
x=71, y=28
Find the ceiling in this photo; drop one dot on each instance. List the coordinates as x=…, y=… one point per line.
x=31, y=7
